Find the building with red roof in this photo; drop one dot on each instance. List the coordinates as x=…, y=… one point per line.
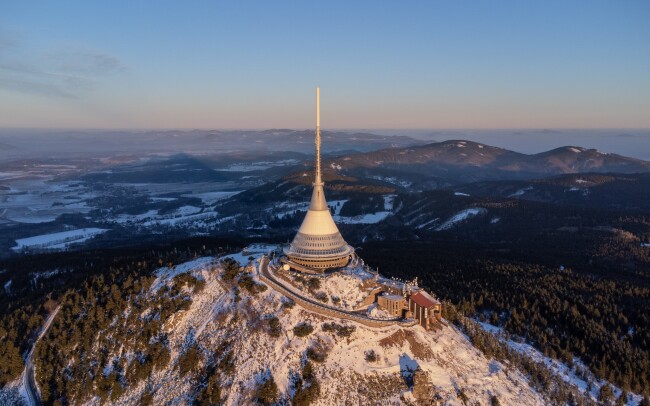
x=425, y=308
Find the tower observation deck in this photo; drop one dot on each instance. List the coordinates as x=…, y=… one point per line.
x=318, y=244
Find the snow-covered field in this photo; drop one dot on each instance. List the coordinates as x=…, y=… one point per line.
x=521, y=192
x=40, y=200
x=135, y=218
x=256, y=166
x=370, y=218
x=212, y=197
x=284, y=209
x=40, y=197
x=58, y=241
x=461, y=216
x=338, y=205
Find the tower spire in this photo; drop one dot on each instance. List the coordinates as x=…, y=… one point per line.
x=318, y=180
x=318, y=244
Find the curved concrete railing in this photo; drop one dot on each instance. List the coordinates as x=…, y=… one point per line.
x=323, y=309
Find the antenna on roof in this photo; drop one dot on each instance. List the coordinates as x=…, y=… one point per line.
x=318, y=179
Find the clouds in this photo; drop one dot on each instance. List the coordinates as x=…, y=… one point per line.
x=62, y=73
x=36, y=87
x=88, y=63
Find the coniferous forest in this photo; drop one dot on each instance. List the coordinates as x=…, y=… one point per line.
x=581, y=294
x=592, y=313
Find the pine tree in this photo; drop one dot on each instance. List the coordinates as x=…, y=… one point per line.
x=606, y=394
x=267, y=393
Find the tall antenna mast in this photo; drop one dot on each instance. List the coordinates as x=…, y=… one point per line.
x=318, y=180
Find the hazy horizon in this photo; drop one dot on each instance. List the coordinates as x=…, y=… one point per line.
x=628, y=142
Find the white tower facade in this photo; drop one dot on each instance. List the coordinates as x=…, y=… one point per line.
x=318, y=243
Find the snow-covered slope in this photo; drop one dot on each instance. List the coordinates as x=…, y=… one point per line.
x=221, y=322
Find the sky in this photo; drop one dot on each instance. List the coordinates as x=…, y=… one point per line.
x=380, y=64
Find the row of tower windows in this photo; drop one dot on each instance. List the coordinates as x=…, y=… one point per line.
x=320, y=238
x=319, y=264
x=317, y=245
x=336, y=251
x=334, y=236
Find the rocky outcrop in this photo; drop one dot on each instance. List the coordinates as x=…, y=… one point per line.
x=423, y=390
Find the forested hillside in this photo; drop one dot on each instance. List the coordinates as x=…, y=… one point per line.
x=597, y=316
x=39, y=283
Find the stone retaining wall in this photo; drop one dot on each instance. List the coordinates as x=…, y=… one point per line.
x=321, y=309
x=370, y=298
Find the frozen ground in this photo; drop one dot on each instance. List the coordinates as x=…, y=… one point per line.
x=346, y=286
x=371, y=218
x=521, y=192
x=461, y=216
x=368, y=218
x=13, y=394
x=254, y=250
x=40, y=200
x=394, y=180
x=558, y=368
x=338, y=205
x=58, y=241
x=212, y=197
x=447, y=357
x=284, y=209
x=256, y=166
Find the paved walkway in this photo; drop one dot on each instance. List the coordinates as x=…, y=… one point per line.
x=329, y=311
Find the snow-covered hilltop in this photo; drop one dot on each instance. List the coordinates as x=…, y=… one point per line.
x=249, y=335
x=220, y=330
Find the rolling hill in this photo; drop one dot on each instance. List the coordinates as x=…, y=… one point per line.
x=461, y=161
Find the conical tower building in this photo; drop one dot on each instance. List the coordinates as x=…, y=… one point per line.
x=318, y=245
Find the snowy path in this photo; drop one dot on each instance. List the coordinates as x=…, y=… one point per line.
x=319, y=308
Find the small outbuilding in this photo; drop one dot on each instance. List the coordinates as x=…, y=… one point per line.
x=393, y=304
x=425, y=309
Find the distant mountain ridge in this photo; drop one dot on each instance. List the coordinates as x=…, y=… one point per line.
x=468, y=161
x=39, y=143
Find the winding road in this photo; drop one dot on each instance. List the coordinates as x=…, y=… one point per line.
x=28, y=379
x=312, y=305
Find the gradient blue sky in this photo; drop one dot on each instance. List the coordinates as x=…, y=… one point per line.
x=245, y=64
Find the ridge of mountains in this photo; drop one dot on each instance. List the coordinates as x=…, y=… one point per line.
x=414, y=167
x=460, y=161
x=567, y=226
